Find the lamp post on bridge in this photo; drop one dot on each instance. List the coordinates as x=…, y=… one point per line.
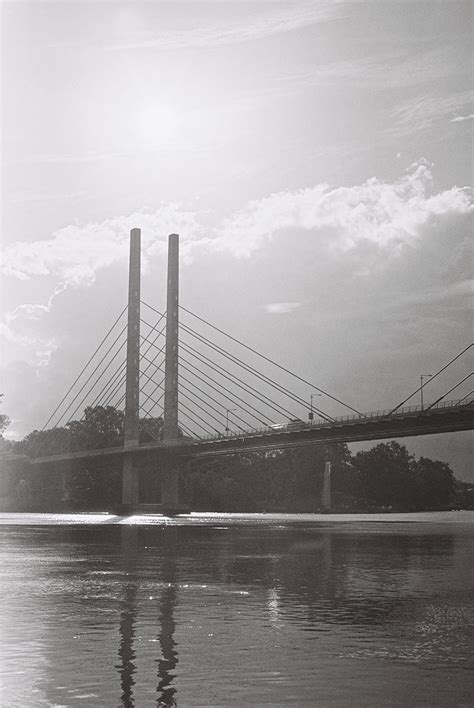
x=228, y=410
x=423, y=376
x=311, y=414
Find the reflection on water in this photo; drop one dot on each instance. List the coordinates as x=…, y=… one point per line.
x=167, y=601
x=231, y=614
x=128, y=615
x=169, y=656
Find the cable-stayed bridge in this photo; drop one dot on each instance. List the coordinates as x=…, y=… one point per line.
x=186, y=388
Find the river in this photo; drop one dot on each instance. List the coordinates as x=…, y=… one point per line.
x=237, y=610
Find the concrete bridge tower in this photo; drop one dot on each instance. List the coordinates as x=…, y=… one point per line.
x=169, y=474
x=130, y=476
x=169, y=471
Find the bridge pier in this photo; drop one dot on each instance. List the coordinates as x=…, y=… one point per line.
x=326, y=490
x=132, y=385
x=170, y=489
x=130, y=482
x=170, y=475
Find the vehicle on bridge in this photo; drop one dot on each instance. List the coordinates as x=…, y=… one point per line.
x=294, y=424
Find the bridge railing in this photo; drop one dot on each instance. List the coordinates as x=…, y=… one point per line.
x=285, y=429
x=366, y=418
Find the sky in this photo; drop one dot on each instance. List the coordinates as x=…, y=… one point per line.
x=315, y=158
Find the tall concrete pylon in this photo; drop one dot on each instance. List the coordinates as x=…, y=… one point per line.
x=130, y=479
x=170, y=426
x=169, y=474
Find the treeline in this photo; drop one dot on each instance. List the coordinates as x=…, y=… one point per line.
x=385, y=477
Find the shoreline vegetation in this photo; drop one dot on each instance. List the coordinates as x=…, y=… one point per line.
x=383, y=479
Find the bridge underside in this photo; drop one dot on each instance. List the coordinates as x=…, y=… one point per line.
x=399, y=425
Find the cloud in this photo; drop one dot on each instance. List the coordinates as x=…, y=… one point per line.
x=75, y=253
x=419, y=114
x=386, y=214
x=460, y=119
x=280, y=308
x=261, y=21
x=286, y=19
x=391, y=71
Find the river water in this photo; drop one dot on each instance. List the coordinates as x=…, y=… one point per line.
x=228, y=610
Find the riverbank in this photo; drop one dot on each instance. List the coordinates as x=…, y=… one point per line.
x=212, y=518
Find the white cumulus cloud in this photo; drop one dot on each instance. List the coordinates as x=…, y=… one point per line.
x=76, y=252
x=388, y=214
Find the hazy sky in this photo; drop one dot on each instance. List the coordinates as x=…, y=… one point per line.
x=315, y=157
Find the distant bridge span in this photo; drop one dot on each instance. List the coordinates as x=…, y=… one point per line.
x=453, y=416
x=257, y=401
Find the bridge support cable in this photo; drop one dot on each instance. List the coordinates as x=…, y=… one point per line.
x=142, y=389
x=149, y=418
x=198, y=388
x=262, y=377
x=152, y=362
x=198, y=405
x=199, y=398
x=151, y=344
x=190, y=416
x=107, y=392
x=427, y=408
x=91, y=388
x=120, y=401
x=117, y=380
x=234, y=401
x=466, y=396
x=274, y=363
x=148, y=412
x=262, y=418
x=149, y=378
x=224, y=373
x=84, y=368
x=66, y=413
x=222, y=415
x=190, y=433
x=248, y=369
x=432, y=378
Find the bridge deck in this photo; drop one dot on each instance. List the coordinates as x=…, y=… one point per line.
x=452, y=416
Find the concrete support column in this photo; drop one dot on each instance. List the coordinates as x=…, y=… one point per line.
x=169, y=479
x=326, y=492
x=170, y=427
x=132, y=386
x=129, y=481
x=169, y=488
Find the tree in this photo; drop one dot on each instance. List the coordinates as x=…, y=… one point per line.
x=434, y=484
x=42, y=443
x=390, y=477
x=4, y=420
x=151, y=430
x=386, y=475
x=100, y=427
